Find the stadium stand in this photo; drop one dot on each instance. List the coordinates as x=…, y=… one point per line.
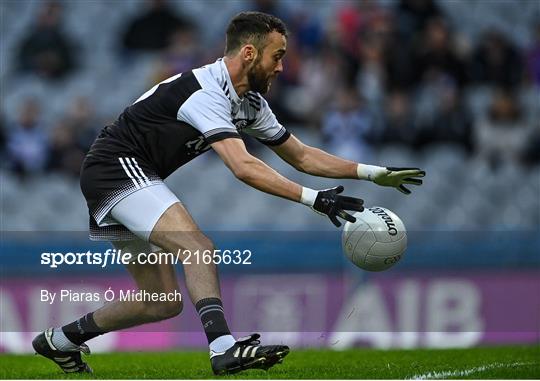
x=467, y=189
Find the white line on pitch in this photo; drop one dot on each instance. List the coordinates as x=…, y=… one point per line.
x=467, y=372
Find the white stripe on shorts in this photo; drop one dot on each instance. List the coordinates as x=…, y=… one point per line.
x=129, y=173
x=146, y=180
x=135, y=173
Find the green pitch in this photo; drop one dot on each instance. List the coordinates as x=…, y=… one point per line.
x=478, y=363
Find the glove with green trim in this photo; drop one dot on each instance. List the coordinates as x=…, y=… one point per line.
x=396, y=177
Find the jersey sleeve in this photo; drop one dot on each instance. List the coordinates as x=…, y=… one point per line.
x=266, y=127
x=209, y=112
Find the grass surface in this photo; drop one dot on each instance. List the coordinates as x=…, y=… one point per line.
x=478, y=363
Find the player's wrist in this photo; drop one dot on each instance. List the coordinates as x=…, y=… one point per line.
x=368, y=172
x=308, y=196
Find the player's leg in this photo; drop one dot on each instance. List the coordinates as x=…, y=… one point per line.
x=152, y=278
x=156, y=212
x=176, y=231
x=64, y=344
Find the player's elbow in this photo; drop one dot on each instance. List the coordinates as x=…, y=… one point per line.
x=301, y=163
x=244, y=171
x=243, y=174
x=301, y=166
x=301, y=159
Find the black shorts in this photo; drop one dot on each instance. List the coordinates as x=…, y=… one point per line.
x=105, y=180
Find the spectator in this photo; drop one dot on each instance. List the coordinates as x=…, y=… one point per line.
x=348, y=127
x=398, y=124
x=371, y=75
x=353, y=20
x=533, y=58
x=503, y=136
x=46, y=50
x=27, y=144
x=307, y=32
x=319, y=78
x=66, y=154
x=181, y=55
x=413, y=16
x=399, y=63
x=497, y=62
x=435, y=53
x=452, y=122
x=2, y=142
x=531, y=153
x=81, y=119
x=152, y=30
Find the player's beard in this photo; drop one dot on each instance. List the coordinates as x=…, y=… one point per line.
x=258, y=80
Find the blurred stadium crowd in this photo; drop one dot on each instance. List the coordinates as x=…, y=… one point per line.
x=450, y=85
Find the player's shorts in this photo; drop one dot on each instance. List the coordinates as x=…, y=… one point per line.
x=125, y=197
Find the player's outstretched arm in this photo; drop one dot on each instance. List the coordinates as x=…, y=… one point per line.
x=317, y=162
x=259, y=175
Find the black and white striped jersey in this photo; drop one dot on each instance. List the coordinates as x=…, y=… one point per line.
x=177, y=119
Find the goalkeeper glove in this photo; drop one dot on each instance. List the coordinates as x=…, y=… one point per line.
x=327, y=202
x=391, y=176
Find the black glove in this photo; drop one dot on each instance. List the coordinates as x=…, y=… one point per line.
x=329, y=203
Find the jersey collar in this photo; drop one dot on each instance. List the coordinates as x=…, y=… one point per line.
x=234, y=96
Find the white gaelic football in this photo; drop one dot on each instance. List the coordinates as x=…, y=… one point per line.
x=376, y=241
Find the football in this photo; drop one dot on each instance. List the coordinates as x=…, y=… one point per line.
x=376, y=241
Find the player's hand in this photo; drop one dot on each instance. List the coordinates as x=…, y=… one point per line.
x=398, y=177
x=328, y=202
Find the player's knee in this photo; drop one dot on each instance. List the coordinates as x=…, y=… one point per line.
x=164, y=310
x=202, y=244
x=170, y=309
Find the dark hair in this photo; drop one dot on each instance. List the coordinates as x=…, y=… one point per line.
x=251, y=27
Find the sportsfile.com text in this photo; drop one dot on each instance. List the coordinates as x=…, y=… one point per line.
x=119, y=257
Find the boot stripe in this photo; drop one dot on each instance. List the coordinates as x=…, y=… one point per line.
x=246, y=351
x=237, y=352
x=62, y=359
x=70, y=364
x=253, y=351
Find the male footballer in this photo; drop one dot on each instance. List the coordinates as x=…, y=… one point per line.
x=168, y=126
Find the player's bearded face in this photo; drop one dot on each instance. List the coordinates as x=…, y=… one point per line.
x=258, y=78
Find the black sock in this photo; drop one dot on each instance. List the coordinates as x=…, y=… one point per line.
x=82, y=329
x=210, y=311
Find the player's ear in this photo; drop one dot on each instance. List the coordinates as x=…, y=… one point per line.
x=249, y=53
